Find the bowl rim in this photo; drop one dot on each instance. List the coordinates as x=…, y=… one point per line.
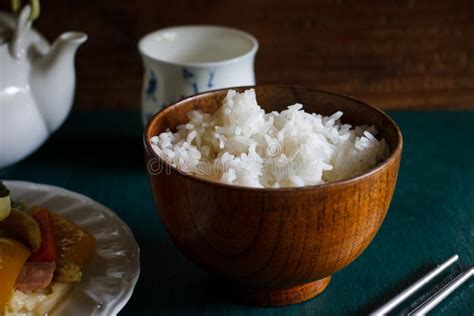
x=244, y=34
x=396, y=153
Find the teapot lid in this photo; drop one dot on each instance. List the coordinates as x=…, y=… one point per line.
x=11, y=27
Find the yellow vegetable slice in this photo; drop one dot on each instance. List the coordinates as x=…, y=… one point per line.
x=5, y=207
x=5, y=202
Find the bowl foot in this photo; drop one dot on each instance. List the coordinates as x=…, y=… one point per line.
x=278, y=296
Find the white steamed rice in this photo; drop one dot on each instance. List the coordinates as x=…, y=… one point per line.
x=240, y=144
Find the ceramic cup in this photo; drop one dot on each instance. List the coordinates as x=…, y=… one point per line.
x=186, y=60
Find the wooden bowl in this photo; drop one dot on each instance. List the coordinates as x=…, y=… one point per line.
x=274, y=247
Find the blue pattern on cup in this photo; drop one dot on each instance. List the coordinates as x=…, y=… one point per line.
x=189, y=77
x=210, y=84
x=187, y=74
x=152, y=86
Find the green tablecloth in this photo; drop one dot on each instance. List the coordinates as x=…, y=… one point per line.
x=99, y=154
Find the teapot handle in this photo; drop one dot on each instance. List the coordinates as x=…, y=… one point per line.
x=23, y=25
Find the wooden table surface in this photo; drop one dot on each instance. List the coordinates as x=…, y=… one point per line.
x=393, y=54
x=431, y=217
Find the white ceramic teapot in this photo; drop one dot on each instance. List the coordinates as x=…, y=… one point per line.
x=37, y=83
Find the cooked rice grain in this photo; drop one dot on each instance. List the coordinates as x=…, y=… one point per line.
x=240, y=144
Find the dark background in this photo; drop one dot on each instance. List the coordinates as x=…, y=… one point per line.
x=394, y=54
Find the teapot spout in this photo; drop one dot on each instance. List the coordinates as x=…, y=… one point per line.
x=66, y=44
x=53, y=79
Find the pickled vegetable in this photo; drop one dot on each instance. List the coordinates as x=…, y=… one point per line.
x=74, y=249
x=5, y=202
x=21, y=226
x=13, y=255
x=47, y=251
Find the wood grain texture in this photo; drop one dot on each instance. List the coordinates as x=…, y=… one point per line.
x=429, y=220
x=393, y=54
x=278, y=296
x=274, y=239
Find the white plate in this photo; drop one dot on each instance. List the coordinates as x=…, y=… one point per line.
x=110, y=277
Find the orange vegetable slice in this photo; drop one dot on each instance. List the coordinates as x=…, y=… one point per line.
x=13, y=255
